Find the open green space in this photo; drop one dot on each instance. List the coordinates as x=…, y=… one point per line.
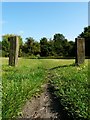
x=24, y=81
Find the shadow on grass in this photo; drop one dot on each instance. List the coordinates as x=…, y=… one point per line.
x=57, y=107
x=62, y=66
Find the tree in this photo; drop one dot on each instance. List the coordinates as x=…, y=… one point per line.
x=20, y=45
x=58, y=44
x=51, y=48
x=6, y=44
x=31, y=47
x=36, y=48
x=44, y=47
x=71, y=49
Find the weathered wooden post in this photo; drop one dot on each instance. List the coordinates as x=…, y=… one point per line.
x=14, y=49
x=80, y=50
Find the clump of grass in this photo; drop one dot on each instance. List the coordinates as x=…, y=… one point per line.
x=19, y=84
x=24, y=81
x=71, y=85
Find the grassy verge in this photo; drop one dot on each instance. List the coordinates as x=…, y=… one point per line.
x=71, y=84
x=19, y=84
x=25, y=80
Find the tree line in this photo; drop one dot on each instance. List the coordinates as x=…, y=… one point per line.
x=59, y=46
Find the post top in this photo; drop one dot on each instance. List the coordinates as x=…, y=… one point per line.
x=14, y=36
x=11, y=36
x=79, y=38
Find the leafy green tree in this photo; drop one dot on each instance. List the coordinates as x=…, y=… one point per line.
x=58, y=44
x=71, y=49
x=20, y=45
x=36, y=48
x=31, y=47
x=65, y=45
x=6, y=45
x=51, y=48
x=44, y=47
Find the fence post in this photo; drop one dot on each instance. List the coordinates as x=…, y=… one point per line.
x=80, y=50
x=14, y=49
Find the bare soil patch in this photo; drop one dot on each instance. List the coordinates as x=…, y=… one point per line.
x=45, y=106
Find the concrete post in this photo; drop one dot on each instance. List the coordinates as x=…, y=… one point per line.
x=80, y=50
x=14, y=49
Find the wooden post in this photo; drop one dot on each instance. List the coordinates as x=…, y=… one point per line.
x=14, y=49
x=80, y=50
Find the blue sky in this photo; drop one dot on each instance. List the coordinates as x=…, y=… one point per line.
x=39, y=20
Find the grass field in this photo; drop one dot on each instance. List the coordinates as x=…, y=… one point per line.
x=24, y=81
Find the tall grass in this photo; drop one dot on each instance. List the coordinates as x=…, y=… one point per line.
x=24, y=81
x=71, y=84
x=19, y=84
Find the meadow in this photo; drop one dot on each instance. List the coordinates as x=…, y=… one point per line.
x=24, y=81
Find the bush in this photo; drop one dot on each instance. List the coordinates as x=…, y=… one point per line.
x=5, y=54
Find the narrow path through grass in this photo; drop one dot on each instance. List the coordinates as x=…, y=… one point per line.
x=23, y=82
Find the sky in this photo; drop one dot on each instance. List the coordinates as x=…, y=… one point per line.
x=39, y=19
x=89, y=14
x=45, y=0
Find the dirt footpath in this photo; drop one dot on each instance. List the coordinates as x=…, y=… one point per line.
x=46, y=106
